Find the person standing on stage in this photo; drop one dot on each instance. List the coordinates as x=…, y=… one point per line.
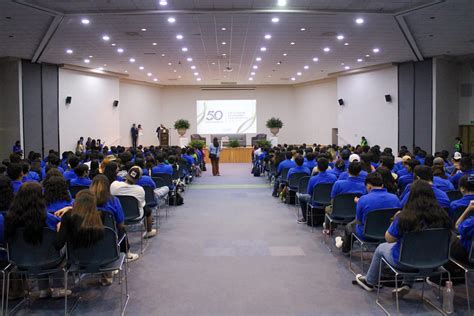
x=214, y=153
x=134, y=134
x=159, y=130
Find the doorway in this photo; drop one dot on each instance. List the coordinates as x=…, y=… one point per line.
x=466, y=132
x=335, y=136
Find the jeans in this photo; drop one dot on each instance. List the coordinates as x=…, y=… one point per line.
x=215, y=166
x=160, y=193
x=304, y=200
x=384, y=250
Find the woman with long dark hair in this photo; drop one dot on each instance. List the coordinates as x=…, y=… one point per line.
x=214, y=154
x=422, y=211
x=110, y=171
x=389, y=182
x=56, y=194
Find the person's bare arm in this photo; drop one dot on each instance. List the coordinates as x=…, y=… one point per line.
x=467, y=212
x=389, y=238
x=62, y=211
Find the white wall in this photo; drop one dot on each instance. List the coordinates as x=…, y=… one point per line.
x=466, y=104
x=139, y=104
x=365, y=112
x=91, y=112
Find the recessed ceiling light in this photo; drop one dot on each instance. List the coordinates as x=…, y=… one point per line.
x=87, y=61
x=252, y=73
x=198, y=79
x=347, y=68
x=90, y=56
x=315, y=59
x=149, y=74
x=184, y=49
x=326, y=49
x=163, y=55
x=85, y=21
x=155, y=79
x=342, y=64
x=298, y=73
x=268, y=36
x=105, y=65
x=281, y=3
x=376, y=50
x=193, y=67
x=359, y=20
x=263, y=49
x=179, y=36
x=359, y=60
x=275, y=20
x=279, y=63
x=106, y=37
x=69, y=51
x=367, y=55
x=223, y=29
x=126, y=71
x=292, y=43
x=255, y=67
x=132, y=60
x=154, y=44
x=179, y=77
x=169, y=64
x=223, y=43
x=101, y=68
x=113, y=44
x=285, y=54
x=293, y=79
x=258, y=59
x=143, y=29
x=340, y=37
x=213, y=63
x=189, y=59
x=141, y=67
x=174, y=70
x=163, y=2
x=302, y=29
x=346, y=44
x=250, y=78
x=224, y=54
x=306, y=67
x=171, y=20
x=120, y=50
x=196, y=73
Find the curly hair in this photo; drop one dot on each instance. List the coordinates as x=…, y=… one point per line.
x=6, y=193
x=28, y=211
x=56, y=189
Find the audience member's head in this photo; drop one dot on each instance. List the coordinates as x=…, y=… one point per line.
x=466, y=163
x=323, y=164
x=373, y=180
x=354, y=168
x=84, y=212
x=438, y=171
x=388, y=180
x=424, y=173
x=100, y=187
x=110, y=171
x=134, y=174
x=299, y=160
x=15, y=171
x=81, y=170
x=466, y=184
x=55, y=190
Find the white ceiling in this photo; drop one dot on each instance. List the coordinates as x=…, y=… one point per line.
x=444, y=28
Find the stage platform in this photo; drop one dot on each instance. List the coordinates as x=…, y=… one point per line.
x=233, y=155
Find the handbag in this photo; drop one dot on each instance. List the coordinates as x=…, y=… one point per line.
x=212, y=156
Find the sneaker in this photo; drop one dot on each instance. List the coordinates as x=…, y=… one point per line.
x=339, y=242
x=106, y=279
x=150, y=234
x=402, y=291
x=59, y=293
x=362, y=282
x=44, y=293
x=301, y=221
x=132, y=257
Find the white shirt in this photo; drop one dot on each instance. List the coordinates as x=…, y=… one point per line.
x=118, y=188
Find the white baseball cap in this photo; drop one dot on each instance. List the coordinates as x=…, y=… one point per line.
x=457, y=156
x=354, y=157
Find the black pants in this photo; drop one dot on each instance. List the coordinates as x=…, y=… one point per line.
x=348, y=231
x=134, y=142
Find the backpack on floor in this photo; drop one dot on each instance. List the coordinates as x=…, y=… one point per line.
x=256, y=171
x=177, y=197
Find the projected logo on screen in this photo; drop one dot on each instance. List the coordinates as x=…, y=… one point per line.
x=226, y=116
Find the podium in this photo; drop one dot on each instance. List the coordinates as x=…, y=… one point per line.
x=164, y=137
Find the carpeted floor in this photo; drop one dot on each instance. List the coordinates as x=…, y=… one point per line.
x=232, y=249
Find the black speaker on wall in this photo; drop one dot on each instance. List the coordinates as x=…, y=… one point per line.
x=68, y=100
x=388, y=98
x=341, y=101
x=116, y=103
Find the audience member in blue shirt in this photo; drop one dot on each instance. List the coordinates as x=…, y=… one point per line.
x=421, y=212
x=377, y=198
x=323, y=177
x=285, y=164
x=460, y=248
x=53, y=162
x=441, y=183
x=69, y=174
x=338, y=169
x=82, y=176
x=426, y=173
x=106, y=202
x=466, y=186
x=403, y=168
x=299, y=160
x=465, y=168
x=351, y=184
x=405, y=180
x=161, y=167
x=310, y=163
x=15, y=173
x=6, y=193
x=56, y=194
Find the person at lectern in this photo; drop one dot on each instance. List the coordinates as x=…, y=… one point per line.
x=134, y=134
x=159, y=130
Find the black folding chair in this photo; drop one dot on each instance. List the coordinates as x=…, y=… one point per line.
x=454, y=195
x=456, y=214
x=293, y=186
x=76, y=189
x=97, y=259
x=320, y=199
x=133, y=218
x=283, y=176
x=4, y=267
x=376, y=224
x=33, y=261
x=302, y=189
x=169, y=182
x=152, y=202
x=421, y=264
x=467, y=267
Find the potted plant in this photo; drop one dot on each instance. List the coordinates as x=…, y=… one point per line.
x=199, y=144
x=274, y=124
x=263, y=143
x=234, y=143
x=181, y=126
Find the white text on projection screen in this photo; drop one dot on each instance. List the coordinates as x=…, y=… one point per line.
x=226, y=116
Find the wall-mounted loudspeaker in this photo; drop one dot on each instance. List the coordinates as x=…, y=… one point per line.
x=341, y=101
x=68, y=100
x=116, y=103
x=388, y=98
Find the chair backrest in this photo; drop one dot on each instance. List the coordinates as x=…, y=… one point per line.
x=159, y=182
x=76, y=189
x=33, y=258
x=109, y=219
x=166, y=177
x=471, y=252
x=377, y=222
x=130, y=207
x=149, y=195
x=303, y=185
x=103, y=252
x=457, y=213
x=425, y=249
x=294, y=179
x=175, y=175
x=344, y=206
x=322, y=193
x=454, y=195
x=284, y=173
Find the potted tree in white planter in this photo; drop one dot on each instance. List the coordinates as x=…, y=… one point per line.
x=274, y=124
x=181, y=126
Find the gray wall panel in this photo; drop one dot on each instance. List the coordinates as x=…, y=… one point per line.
x=424, y=104
x=50, y=107
x=405, y=104
x=32, y=114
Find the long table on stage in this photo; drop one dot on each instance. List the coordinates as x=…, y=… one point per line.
x=232, y=155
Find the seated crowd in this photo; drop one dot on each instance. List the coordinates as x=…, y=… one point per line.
x=72, y=193
x=423, y=191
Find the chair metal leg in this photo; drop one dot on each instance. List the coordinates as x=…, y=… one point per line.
x=467, y=292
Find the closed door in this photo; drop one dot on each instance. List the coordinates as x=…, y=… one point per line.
x=335, y=136
x=466, y=132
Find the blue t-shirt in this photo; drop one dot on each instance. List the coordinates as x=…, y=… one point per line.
x=52, y=221
x=56, y=206
x=189, y=159
x=31, y=176
x=443, y=184
x=466, y=230
x=335, y=171
x=455, y=179
x=113, y=206
x=376, y=199
x=345, y=175
x=69, y=175
x=43, y=171
x=2, y=228
x=287, y=163
x=322, y=177
x=162, y=168
x=80, y=181
x=462, y=202
x=441, y=197
x=310, y=164
x=16, y=185
x=405, y=180
x=297, y=169
x=393, y=230
x=351, y=185
x=402, y=172
x=146, y=181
